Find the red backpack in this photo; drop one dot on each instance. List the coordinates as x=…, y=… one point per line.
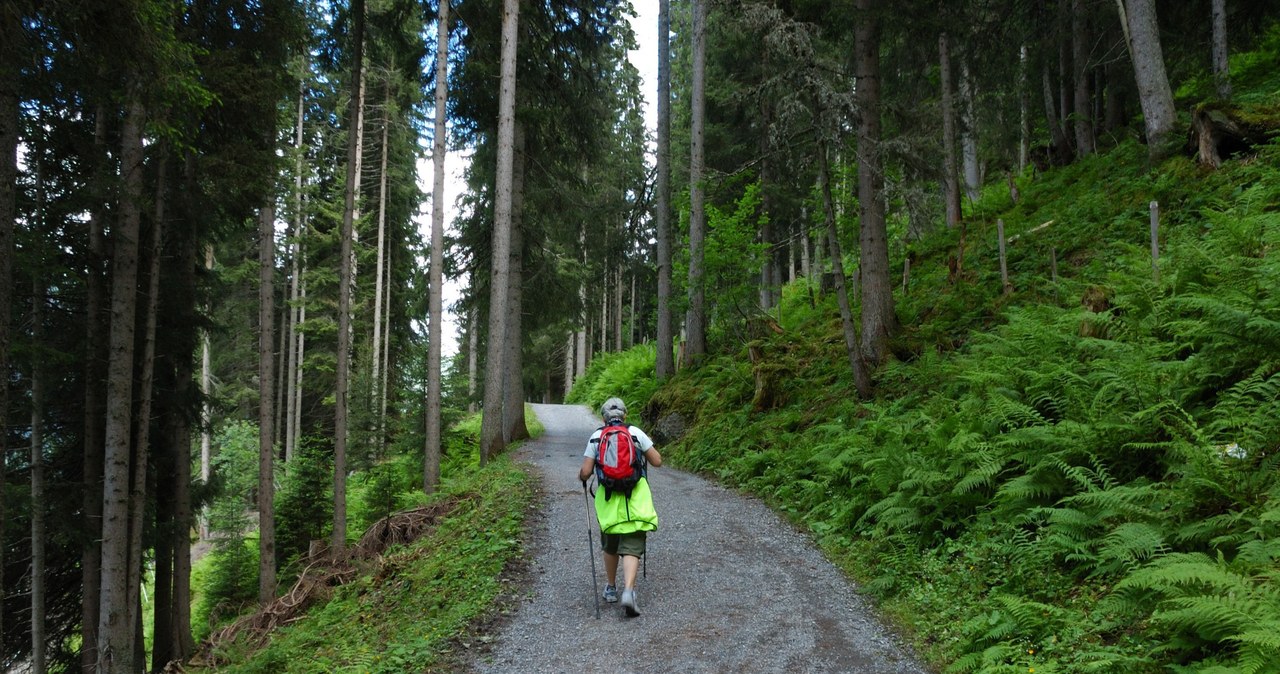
x=619, y=462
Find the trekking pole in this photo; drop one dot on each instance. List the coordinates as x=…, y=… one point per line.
x=591, y=550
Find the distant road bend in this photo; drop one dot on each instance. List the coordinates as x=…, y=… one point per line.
x=730, y=587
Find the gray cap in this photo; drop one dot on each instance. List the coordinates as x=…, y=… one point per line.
x=613, y=408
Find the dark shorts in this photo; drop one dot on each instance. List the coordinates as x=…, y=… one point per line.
x=624, y=544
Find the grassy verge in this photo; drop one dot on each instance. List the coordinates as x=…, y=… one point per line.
x=414, y=612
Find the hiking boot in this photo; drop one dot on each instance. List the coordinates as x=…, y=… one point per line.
x=629, y=603
x=610, y=594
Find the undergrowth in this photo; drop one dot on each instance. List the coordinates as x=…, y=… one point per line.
x=414, y=612
x=1081, y=476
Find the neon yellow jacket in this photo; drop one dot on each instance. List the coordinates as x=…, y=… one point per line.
x=622, y=514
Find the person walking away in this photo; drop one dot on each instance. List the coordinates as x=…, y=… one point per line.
x=618, y=455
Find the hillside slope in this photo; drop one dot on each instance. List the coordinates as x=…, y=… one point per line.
x=1080, y=475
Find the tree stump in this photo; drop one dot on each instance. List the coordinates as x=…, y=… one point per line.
x=1220, y=132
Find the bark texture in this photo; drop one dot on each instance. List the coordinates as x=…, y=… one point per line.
x=1154, y=92
x=695, y=316
x=878, y=319
x=861, y=380
x=339, y=536
x=1221, y=67
x=435, y=307
x=10, y=34
x=117, y=616
x=266, y=450
x=491, y=426
x=665, y=362
x=950, y=178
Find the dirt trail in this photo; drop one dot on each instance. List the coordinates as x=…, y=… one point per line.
x=730, y=587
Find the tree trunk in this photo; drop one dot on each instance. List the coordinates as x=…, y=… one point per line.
x=266, y=451
x=142, y=424
x=878, y=319
x=1024, y=109
x=39, y=663
x=491, y=427
x=386, y=352
x=376, y=361
x=1059, y=139
x=11, y=34
x=861, y=379
x=1154, y=92
x=292, y=366
x=95, y=412
x=278, y=371
x=665, y=364
x=116, y=619
x=1063, y=35
x=513, y=425
x=580, y=352
x=1221, y=67
x=172, y=624
x=618, y=290
x=206, y=391
x=339, y=534
x=767, y=234
x=435, y=310
x=473, y=348
x=950, y=178
x=568, y=366
x=1114, y=108
x=968, y=132
x=302, y=351
x=695, y=316
x=1080, y=62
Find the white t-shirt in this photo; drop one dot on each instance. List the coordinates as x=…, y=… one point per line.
x=642, y=441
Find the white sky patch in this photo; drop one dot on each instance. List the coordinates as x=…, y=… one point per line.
x=645, y=58
x=455, y=166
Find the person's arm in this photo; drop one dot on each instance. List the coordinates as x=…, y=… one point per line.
x=653, y=457
x=588, y=467
x=651, y=454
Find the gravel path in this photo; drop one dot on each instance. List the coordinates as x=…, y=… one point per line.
x=730, y=587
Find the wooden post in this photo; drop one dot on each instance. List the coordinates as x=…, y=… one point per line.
x=1004, y=267
x=906, y=275
x=1053, y=269
x=1155, y=241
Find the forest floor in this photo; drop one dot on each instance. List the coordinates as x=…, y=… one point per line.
x=729, y=586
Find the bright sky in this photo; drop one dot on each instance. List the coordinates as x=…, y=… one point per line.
x=645, y=59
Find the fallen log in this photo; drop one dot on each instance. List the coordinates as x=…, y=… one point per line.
x=1220, y=132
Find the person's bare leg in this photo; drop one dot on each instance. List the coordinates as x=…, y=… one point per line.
x=611, y=568
x=630, y=564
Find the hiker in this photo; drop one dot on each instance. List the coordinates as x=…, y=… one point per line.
x=624, y=507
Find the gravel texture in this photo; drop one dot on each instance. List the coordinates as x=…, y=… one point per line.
x=730, y=587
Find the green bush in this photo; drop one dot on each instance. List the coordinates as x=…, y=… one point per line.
x=629, y=375
x=304, y=500
x=224, y=585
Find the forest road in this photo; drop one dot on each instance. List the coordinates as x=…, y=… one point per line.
x=730, y=587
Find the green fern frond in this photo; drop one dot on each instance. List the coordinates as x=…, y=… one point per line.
x=1178, y=574
x=1265, y=635
x=1133, y=542
x=1259, y=551
x=981, y=476
x=1215, y=618
x=1031, y=617
x=1011, y=414
x=1028, y=487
